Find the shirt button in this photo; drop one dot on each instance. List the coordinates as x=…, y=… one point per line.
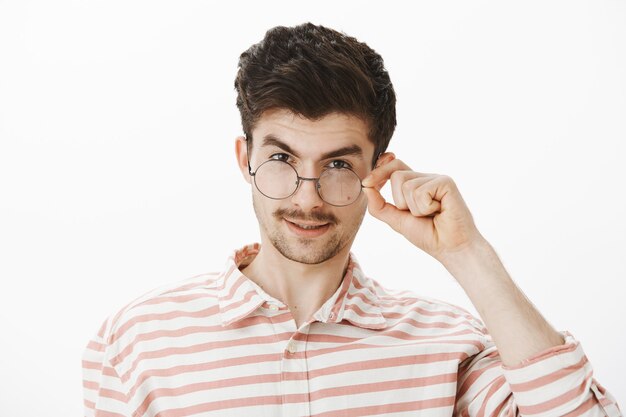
x=273, y=307
x=291, y=346
x=331, y=315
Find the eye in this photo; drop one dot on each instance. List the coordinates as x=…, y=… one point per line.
x=281, y=157
x=339, y=163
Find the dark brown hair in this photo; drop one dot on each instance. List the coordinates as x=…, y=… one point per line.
x=312, y=71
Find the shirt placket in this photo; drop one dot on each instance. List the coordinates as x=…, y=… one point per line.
x=294, y=383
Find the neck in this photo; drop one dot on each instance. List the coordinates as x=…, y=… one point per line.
x=302, y=287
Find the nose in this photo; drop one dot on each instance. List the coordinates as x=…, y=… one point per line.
x=306, y=196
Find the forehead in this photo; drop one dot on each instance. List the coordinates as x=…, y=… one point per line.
x=313, y=137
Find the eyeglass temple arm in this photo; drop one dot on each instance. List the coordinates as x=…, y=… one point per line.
x=248, y=156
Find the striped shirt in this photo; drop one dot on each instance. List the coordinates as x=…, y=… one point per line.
x=218, y=345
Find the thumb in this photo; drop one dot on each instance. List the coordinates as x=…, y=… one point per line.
x=382, y=210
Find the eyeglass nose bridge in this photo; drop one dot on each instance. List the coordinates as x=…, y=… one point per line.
x=317, y=185
x=317, y=180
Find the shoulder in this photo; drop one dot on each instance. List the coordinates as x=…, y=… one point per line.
x=409, y=305
x=159, y=303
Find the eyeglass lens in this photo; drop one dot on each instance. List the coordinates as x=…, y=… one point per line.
x=278, y=179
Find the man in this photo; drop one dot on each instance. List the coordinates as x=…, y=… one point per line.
x=293, y=326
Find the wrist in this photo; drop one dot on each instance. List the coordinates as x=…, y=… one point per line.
x=467, y=254
x=475, y=266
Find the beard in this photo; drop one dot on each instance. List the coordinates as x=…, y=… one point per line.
x=305, y=250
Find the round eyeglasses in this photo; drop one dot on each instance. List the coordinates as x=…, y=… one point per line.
x=278, y=180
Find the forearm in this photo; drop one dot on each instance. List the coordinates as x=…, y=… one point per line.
x=516, y=326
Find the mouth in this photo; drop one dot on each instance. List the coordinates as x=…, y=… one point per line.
x=307, y=229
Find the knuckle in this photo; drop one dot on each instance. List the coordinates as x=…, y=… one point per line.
x=395, y=176
x=406, y=187
x=399, y=176
x=447, y=178
x=416, y=193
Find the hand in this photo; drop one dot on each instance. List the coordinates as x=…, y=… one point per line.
x=429, y=210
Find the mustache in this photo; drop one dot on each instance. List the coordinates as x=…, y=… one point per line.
x=299, y=215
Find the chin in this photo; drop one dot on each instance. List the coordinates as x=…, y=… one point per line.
x=307, y=251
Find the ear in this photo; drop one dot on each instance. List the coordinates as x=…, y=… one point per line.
x=385, y=158
x=241, y=153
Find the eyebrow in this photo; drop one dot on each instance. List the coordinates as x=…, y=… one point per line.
x=352, y=150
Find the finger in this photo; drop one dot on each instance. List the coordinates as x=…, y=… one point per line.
x=420, y=195
x=382, y=210
x=398, y=180
x=383, y=172
x=413, y=190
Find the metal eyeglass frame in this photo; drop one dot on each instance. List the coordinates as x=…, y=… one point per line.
x=300, y=179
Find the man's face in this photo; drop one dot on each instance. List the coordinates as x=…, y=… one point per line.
x=281, y=135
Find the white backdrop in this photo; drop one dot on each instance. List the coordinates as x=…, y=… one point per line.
x=118, y=174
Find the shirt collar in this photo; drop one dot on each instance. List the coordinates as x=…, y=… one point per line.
x=355, y=300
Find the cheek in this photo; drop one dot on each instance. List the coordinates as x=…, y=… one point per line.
x=261, y=205
x=354, y=216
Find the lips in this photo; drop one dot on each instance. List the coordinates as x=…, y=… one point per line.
x=305, y=224
x=307, y=229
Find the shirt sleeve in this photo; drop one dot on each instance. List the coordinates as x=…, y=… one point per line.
x=555, y=382
x=103, y=391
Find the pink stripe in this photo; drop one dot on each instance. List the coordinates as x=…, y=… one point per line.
x=508, y=403
x=102, y=330
x=92, y=365
x=393, y=334
x=100, y=413
x=474, y=375
x=116, y=395
x=203, y=386
x=393, y=408
x=199, y=367
x=384, y=363
x=543, y=355
x=362, y=297
x=395, y=302
x=550, y=378
x=297, y=398
x=425, y=325
x=225, y=404
x=234, y=286
x=170, y=315
x=358, y=311
x=245, y=252
x=201, y=347
x=225, y=277
x=246, y=298
x=347, y=281
x=493, y=388
x=423, y=312
x=179, y=299
x=381, y=386
x=91, y=385
x=583, y=408
x=555, y=402
x=108, y=371
x=96, y=346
